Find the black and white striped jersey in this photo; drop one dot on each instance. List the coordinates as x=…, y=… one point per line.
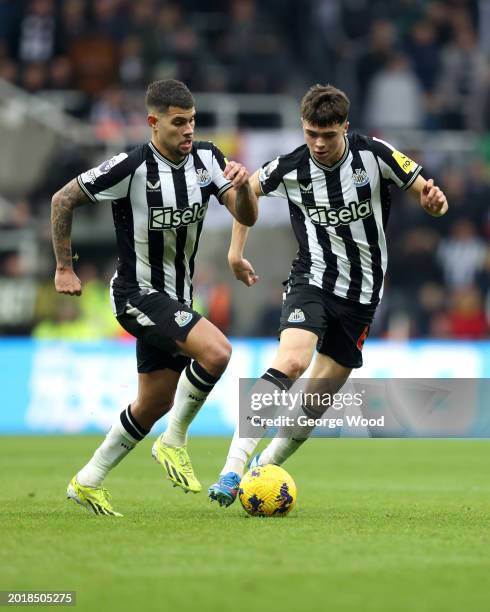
x=339, y=213
x=158, y=209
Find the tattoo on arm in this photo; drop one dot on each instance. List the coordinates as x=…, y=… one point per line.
x=62, y=205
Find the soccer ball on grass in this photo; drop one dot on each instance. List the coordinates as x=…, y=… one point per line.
x=267, y=490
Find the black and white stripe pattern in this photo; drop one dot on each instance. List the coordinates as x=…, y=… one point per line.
x=131, y=426
x=339, y=214
x=158, y=208
x=200, y=378
x=277, y=378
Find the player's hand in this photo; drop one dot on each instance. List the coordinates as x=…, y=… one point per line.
x=236, y=173
x=433, y=200
x=243, y=271
x=66, y=281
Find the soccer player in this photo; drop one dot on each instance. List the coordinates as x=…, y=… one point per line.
x=337, y=189
x=159, y=193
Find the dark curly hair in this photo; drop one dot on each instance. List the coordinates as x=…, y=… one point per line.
x=160, y=95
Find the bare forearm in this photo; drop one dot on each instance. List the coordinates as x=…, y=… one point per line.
x=239, y=234
x=62, y=206
x=246, y=205
x=61, y=220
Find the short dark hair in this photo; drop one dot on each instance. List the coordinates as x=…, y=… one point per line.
x=325, y=105
x=160, y=95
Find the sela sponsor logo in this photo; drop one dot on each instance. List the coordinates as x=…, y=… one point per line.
x=152, y=186
x=333, y=217
x=360, y=177
x=297, y=316
x=203, y=177
x=182, y=317
x=171, y=218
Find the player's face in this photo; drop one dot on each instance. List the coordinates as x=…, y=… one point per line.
x=326, y=144
x=173, y=131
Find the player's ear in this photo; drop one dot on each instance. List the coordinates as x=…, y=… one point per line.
x=346, y=127
x=152, y=120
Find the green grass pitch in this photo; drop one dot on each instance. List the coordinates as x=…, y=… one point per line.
x=395, y=525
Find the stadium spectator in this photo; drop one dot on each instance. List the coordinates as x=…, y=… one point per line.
x=108, y=115
x=34, y=77
x=466, y=317
x=110, y=20
x=382, y=40
x=38, y=32
x=132, y=72
x=462, y=255
x=253, y=51
x=60, y=73
x=417, y=245
x=8, y=70
x=95, y=60
x=73, y=22
x=424, y=52
x=394, y=97
x=463, y=82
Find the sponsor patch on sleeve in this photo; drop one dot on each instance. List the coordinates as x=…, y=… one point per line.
x=110, y=163
x=405, y=163
x=92, y=175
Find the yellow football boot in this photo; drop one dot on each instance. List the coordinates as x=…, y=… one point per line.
x=177, y=465
x=94, y=499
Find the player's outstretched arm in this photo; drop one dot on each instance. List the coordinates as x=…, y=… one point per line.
x=241, y=267
x=431, y=197
x=63, y=203
x=241, y=200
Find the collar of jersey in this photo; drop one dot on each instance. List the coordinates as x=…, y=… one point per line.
x=337, y=164
x=167, y=161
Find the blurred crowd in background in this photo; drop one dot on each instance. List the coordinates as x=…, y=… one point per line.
x=416, y=63
x=406, y=65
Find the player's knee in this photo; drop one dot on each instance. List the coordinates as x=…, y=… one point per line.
x=217, y=356
x=294, y=365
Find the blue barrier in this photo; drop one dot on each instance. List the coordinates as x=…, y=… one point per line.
x=74, y=387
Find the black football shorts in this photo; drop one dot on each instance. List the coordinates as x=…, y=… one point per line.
x=340, y=324
x=157, y=321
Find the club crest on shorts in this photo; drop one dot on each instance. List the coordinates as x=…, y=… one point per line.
x=297, y=316
x=182, y=317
